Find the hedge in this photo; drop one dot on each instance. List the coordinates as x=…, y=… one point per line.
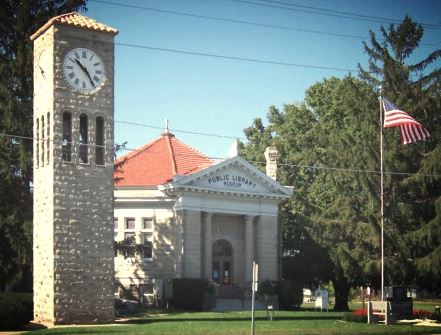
x=193, y=294
x=290, y=294
x=16, y=310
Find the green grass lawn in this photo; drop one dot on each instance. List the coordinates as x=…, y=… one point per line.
x=237, y=323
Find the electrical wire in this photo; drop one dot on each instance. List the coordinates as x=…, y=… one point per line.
x=289, y=165
x=223, y=19
x=253, y=60
x=328, y=12
x=260, y=24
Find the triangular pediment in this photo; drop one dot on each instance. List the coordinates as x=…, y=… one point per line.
x=233, y=175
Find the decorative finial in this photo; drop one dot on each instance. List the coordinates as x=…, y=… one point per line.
x=166, y=125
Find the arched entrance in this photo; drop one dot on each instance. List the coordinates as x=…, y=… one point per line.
x=222, y=267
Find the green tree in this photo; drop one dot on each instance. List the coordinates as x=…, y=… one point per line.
x=332, y=215
x=18, y=20
x=412, y=203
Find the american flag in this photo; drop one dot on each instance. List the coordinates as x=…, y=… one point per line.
x=410, y=129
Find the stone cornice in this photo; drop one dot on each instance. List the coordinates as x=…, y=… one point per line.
x=173, y=190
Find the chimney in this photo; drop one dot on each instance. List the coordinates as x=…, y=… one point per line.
x=233, y=151
x=271, y=162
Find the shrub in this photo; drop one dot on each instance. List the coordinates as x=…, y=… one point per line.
x=268, y=288
x=359, y=315
x=290, y=294
x=15, y=311
x=192, y=294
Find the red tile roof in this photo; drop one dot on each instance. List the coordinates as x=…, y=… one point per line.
x=75, y=20
x=158, y=161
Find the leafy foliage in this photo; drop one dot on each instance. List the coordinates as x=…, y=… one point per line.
x=329, y=152
x=16, y=310
x=290, y=294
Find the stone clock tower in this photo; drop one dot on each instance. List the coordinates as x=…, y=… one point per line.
x=73, y=171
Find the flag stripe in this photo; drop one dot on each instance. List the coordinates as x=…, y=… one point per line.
x=410, y=129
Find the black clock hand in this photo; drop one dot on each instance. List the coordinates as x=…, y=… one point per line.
x=42, y=72
x=85, y=71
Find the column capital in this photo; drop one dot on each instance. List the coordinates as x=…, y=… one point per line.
x=249, y=218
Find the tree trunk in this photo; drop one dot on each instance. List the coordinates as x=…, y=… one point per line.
x=341, y=288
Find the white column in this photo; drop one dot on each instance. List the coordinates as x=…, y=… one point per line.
x=207, y=250
x=249, y=248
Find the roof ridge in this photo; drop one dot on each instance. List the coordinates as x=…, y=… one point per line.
x=77, y=20
x=193, y=149
x=171, y=151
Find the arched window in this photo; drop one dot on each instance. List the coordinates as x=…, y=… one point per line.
x=222, y=248
x=67, y=137
x=83, y=141
x=48, y=137
x=99, y=141
x=37, y=146
x=42, y=142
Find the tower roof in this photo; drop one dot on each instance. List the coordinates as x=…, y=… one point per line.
x=157, y=162
x=75, y=20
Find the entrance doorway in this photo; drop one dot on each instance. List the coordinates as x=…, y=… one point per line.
x=222, y=268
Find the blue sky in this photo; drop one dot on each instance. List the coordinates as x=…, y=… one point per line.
x=221, y=96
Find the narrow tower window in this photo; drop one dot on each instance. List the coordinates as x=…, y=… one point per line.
x=42, y=142
x=83, y=138
x=67, y=137
x=37, y=146
x=99, y=141
x=48, y=137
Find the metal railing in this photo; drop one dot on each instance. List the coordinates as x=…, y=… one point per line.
x=239, y=293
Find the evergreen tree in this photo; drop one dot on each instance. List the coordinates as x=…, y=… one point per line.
x=18, y=20
x=412, y=202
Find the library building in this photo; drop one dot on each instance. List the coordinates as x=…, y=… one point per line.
x=195, y=217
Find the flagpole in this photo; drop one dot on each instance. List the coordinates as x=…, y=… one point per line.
x=381, y=197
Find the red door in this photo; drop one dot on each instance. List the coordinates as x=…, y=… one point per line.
x=222, y=268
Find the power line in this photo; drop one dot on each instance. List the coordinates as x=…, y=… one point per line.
x=251, y=23
x=328, y=12
x=222, y=19
x=253, y=60
x=313, y=167
x=177, y=130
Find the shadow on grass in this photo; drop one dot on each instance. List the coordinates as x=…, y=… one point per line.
x=147, y=320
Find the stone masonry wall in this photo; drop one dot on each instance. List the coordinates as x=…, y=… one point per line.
x=43, y=246
x=73, y=228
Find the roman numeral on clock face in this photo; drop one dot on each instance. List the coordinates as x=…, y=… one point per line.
x=84, y=70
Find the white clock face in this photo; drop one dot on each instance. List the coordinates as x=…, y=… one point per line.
x=83, y=70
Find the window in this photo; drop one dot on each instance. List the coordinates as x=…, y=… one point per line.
x=99, y=141
x=42, y=142
x=147, y=223
x=146, y=294
x=115, y=223
x=48, y=137
x=222, y=248
x=146, y=288
x=37, y=153
x=83, y=138
x=129, y=237
x=130, y=223
x=67, y=137
x=147, y=246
